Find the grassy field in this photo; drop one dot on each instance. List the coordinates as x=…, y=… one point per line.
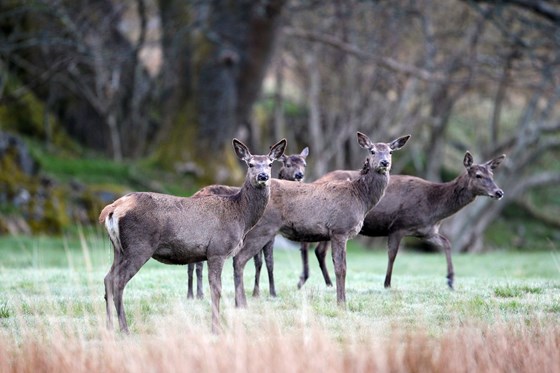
x=503, y=316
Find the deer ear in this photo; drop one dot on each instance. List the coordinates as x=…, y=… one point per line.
x=304, y=153
x=364, y=141
x=277, y=150
x=494, y=163
x=241, y=150
x=468, y=160
x=399, y=143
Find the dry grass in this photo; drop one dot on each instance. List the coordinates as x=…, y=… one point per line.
x=500, y=347
x=503, y=317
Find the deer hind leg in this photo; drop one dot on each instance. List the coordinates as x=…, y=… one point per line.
x=305, y=263
x=442, y=243
x=393, y=248
x=109, y=282
x=269, y=260
x=109, y=297
x=215, y=266
x=199, y=285
x=321, y=254
x=258, y=265
x=120, y=275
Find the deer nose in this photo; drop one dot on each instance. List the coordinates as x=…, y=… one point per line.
x=384, y=163
x=263, y=176
x=499, y=194
x=298, y=175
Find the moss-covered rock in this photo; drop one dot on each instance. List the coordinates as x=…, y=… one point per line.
x=32, y=203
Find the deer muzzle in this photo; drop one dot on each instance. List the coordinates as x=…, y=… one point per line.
x=383, y=167
x=262, y=178
x=498, y=194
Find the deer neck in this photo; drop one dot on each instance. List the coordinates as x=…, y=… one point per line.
x=252, y=202
x=370, y=186
x=454, y=195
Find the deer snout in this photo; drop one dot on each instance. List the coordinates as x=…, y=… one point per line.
x=262, y=177
x=499, y=194
x=384, y=163
x=298, y=176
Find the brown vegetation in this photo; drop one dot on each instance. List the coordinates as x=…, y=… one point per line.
x=531, y=347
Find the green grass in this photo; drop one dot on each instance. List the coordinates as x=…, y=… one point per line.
x=47, y=278
x=102, y=173
x=52, y=314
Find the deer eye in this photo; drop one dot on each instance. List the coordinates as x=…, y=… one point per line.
x=372, y=152
x=270, y=164
x=251, y=165
x=391, y=152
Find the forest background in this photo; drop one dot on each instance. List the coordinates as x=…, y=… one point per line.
x=102, y=97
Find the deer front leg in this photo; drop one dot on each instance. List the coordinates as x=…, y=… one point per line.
x=269, y=260
x=338, y=246
x=190, y=270
x=321, y=254
x=441, y=242
x=215, y=266
x=199, y=285
x=258, y=265
x=238, y=266
x=393, y=248
x=305, y=263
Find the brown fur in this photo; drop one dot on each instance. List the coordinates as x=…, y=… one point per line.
x=293, y=168
x=313, y=212
x=117, y=208
x=415, y=207
x=176, y=230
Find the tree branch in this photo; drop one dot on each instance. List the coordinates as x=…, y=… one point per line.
x=537, y=213
x=540, y=8
x=542, y=179
x=385, y=62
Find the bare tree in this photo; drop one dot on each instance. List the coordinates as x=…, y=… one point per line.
x=79, y=57
x=423, y=67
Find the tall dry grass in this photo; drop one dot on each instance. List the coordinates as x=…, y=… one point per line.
x=533, y=346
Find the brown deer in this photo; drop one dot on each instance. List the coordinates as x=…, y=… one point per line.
x=415, y=207
x=332, y=211
x=178, y=230
x=293, y=168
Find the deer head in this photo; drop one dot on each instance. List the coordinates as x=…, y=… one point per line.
x=379, y=159
x=259, y=166
x=481, y=178
x=293, y=166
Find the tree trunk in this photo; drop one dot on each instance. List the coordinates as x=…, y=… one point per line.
x=223, y=55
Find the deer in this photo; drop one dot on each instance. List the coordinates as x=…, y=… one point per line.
x=293, y=168
x=183, y=230
x=333, y=210
x=416, y=207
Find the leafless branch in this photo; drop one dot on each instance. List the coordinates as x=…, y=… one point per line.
x=543, y=9
x=385, y=62
x=543, y=179
x=537, y=213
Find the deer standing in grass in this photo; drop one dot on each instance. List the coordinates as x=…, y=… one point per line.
x=178, y=230
x=332, y=211
x=416, y=207
x=293, y=169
